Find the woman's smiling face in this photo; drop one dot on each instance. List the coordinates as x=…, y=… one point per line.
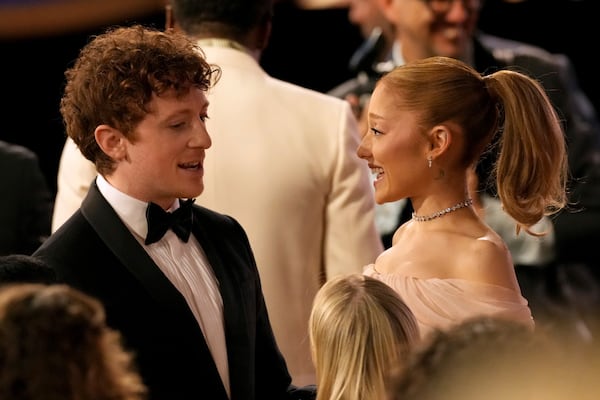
x=395, y=148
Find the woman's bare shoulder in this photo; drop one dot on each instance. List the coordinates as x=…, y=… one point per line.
x=488, y=260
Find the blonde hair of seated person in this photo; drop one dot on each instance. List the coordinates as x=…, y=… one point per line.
x=55, y=345
x=359, y=328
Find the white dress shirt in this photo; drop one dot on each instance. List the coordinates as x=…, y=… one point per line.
x=185, y=265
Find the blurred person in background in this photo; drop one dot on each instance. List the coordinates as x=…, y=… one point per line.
x=489, y=358
x=371, y=57
x=26, y=202
x=55, y=344
x=378, y=34
x=24, y=268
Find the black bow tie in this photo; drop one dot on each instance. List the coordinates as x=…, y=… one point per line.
x=179, y=221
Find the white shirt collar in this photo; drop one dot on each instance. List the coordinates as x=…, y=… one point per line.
x=131, y=210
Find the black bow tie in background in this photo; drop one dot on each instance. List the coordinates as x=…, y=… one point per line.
x=179, y=221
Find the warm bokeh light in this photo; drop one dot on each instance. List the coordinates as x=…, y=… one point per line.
x=31, y=18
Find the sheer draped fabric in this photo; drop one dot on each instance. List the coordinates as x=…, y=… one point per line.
x=442, y=303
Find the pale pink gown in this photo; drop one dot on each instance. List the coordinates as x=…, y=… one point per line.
x=442, y=303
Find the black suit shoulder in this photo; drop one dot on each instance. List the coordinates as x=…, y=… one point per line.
x=226, y=226
x=214, y=218
x=26, y=203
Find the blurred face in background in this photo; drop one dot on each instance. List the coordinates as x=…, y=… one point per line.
x=428, y=28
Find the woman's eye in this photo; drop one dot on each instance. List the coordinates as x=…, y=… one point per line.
x=375, y=132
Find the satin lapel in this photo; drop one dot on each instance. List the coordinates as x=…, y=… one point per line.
x=121, y=242
x=230, y=287
x=226, y=285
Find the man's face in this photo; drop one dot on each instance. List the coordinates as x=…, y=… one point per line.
x=428, y=28
x=164, y=159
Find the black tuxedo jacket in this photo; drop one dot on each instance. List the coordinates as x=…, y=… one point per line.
x=95, y=252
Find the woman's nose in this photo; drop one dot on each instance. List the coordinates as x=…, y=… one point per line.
x=364, y=148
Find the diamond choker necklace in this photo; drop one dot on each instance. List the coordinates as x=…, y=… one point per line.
x=423, y=218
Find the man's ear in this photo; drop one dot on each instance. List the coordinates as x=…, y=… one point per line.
x=111, y=141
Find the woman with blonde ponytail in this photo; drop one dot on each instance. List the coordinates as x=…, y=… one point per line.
x=430, y=122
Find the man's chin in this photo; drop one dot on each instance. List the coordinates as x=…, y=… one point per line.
x=191, y=193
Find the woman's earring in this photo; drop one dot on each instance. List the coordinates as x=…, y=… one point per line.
x=429, y=161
